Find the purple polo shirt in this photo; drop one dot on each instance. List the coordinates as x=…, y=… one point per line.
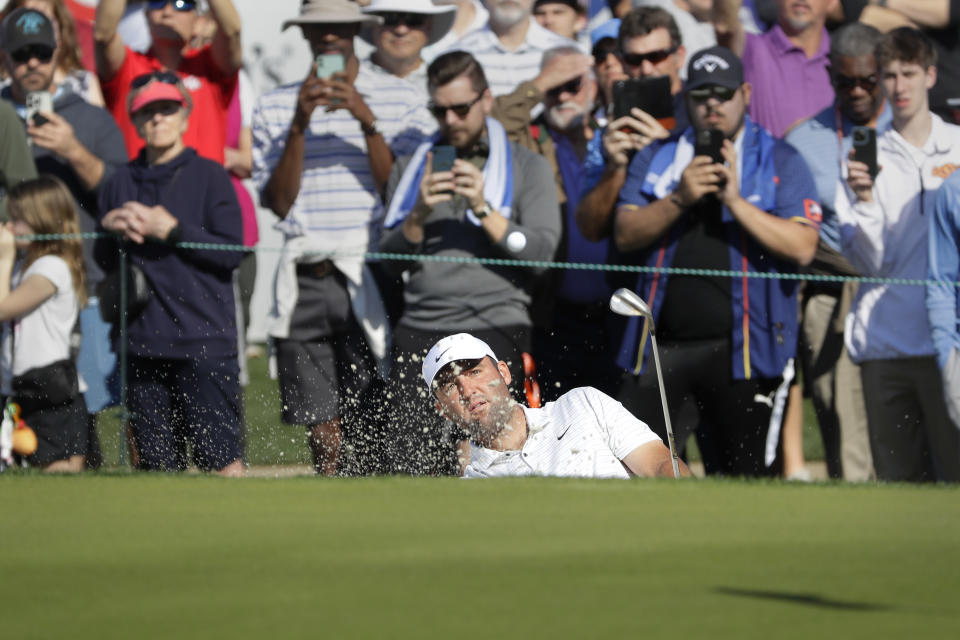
x=787, y=86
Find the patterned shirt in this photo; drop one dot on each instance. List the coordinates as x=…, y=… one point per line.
x=506, y=69
x=585, y=434
x=337, y=192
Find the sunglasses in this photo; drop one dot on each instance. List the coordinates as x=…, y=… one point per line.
x=847, y=83
x=178, y=5
x=654, y=57
x=461, y=110
x=411, y=20
x=569, y=87
x=163, y=107
x=702, y=94
x=166, y=77
x=41, y=52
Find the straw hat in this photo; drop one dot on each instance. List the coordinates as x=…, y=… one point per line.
x=329, y=12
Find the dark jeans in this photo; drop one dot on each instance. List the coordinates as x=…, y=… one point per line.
x=734, y=415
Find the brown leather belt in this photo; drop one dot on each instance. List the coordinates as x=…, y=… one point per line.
x=316, y=269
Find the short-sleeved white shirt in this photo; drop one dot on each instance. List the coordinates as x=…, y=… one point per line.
x=585, y=434
x=42, y=336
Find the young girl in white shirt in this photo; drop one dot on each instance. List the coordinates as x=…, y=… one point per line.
x=42, y=287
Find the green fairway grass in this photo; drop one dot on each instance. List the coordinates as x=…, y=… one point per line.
x=150, y=556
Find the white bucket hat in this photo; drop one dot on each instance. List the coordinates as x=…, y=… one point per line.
x=443, y=16
x=329, y=12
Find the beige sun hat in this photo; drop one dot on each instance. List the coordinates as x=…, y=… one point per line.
x=329, y=12
x=443, y=16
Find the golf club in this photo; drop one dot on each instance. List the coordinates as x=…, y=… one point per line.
x=627, y=303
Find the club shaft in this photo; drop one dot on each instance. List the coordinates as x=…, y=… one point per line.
x=666, y=411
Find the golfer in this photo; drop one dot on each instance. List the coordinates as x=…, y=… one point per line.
x=585, y=433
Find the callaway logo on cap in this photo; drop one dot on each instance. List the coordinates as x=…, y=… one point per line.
x=710, y=63
x=715, y=66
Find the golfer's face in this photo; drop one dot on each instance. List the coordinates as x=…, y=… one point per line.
x=477, y=398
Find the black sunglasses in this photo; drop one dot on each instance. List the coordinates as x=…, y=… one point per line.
x=847, y=83
x=654, y=57
x=570, y=87
x=41, y=52
x=411, y=20
x=702, y=94
x=166, y=77
x=178, y=5
x=461, y=110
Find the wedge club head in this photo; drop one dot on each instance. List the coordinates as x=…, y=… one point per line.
x=627, y=303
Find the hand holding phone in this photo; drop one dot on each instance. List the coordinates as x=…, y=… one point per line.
x=329, y=64
x=35, y=102
x=865, y=149
x=709, y=142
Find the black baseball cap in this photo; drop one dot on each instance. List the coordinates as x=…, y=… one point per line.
x=25, y=27
x=714, y=66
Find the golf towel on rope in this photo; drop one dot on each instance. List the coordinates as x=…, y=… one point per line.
x=497, y=178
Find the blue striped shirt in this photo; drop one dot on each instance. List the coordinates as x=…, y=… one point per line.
x=337, y=191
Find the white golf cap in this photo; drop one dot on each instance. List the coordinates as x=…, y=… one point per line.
x=459, y=346
x=443, y=16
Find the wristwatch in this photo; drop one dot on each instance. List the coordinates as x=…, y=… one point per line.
x=483, y=211
x=370, y=129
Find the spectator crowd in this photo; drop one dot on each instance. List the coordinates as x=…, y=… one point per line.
x=750, y=158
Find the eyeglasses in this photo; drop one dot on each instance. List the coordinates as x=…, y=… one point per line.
x=654, y=57
x=461, y=110
x=569, y=87
x=166, y=77
x=848, y=83
x=41, y=52
x=178, y=5
x=411, y=20
x=702, y=94
x=163, y=107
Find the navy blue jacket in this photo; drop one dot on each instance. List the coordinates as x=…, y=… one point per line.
x=191, y=313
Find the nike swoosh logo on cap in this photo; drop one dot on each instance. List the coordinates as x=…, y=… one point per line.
x=441, y=354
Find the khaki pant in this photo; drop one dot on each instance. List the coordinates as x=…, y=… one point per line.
x=834, y=383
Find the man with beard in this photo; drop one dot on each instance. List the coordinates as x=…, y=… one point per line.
x=746, y=205
x=511, y=46
x=497, y=201
x=585, y=433
x=209, y=73
x=570, y=308
x=824, y=142
x=787, y=65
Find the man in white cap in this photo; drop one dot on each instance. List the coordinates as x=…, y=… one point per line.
x=323, y=149
x=585, y=433
x=408, y=26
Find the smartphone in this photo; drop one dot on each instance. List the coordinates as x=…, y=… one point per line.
x=329, y=64
x=865, y=148
x=443, y=157
x=37, y=101
x=709, y=142
x=648, y=94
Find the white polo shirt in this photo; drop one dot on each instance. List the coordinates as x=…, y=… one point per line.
x=505, y=69
x=584, y=434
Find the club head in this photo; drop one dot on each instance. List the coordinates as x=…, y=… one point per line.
x=627, y=303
